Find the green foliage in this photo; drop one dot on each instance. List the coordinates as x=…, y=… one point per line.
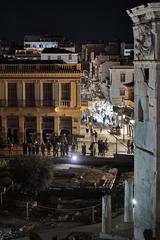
x=32, y=175
x=34, y=236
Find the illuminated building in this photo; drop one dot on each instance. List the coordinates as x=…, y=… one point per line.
x=38, y=98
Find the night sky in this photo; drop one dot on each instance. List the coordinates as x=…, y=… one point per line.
x=77, y=20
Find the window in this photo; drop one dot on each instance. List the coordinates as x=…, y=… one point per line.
x=65, y=91
x=140, y=112
x=146, y=75
x=59, y=57
x=30, y=94
x=47, y=94
x=12, y=94
x=49, y=57
x=70, y=57
x=122, y=92
x=122, y=77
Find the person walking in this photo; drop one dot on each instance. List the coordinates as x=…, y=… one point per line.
x=43, y=147
x=83, y=149
x=128, y=146
x=132, y=147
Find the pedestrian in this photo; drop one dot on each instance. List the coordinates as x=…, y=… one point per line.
x=33, y=147
x=37, y=147
x=24, y=147
x=87, y=129
x=48, y=146
x=10, y=147
x=132, y=147
x=83, y=149
x=100, y=129
x=95, y=135
x=29, y=148
x=43, y=147
x=128, y=146
x=92, y=149
x=73, y=147
x=99, y=147
x=62, y=148
x=106, y=145
x=55, y=149
x=66, y=148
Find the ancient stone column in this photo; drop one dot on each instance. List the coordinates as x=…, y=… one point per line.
x=128, y=200
x=106, y=214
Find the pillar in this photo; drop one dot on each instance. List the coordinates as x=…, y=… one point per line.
x=39, y=127
x=78, y=94
x=73, y=95
x=21, y=130
x=23, y=94
x=40, y=93
x=106, y=214
x=128, y=200
x=56, y=93
x=6, y=93
x=57, y=125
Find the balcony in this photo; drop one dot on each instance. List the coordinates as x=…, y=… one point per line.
x=65, y=103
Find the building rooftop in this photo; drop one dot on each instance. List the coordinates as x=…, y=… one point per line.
x=38, y=66
x=55, y=50
x=123, y=67
x=22, y=61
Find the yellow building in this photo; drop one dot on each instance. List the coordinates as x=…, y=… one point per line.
x=38, y=98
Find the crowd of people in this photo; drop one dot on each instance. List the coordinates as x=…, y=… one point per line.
x=48, y=148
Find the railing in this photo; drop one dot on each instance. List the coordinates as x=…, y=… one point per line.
x=65, y=103
x=39, y=68
x=27, y=103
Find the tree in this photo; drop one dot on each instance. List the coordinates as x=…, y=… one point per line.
x=31, y=175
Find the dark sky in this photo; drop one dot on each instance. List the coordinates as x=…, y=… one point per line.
x=79, y=20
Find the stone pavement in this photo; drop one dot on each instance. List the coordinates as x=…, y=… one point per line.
x=116, y=143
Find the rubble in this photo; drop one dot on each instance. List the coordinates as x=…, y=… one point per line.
x=84, y=178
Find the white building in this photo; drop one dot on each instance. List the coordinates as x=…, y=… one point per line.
x=118, y=76
x=59, y=54
x=39, y=43
x=96, y=68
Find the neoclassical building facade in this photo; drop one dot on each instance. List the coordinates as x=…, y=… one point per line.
x=38, y=98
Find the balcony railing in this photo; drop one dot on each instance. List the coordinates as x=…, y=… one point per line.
x=65, y=103
x=27, y=103
x=39, y=67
